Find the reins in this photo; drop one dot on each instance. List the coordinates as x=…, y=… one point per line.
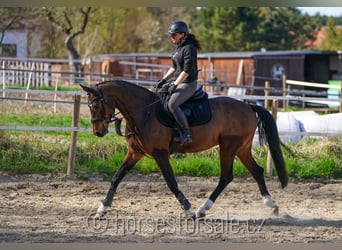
x=117, y=121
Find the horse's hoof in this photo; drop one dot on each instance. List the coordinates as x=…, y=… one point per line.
x=193, y=218
x=200, y=215
x=275, y=211
x=99, y=216
x=190, y=214
x=201, y=211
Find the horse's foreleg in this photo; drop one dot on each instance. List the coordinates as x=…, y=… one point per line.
x=130, y=160
x=258, y=174
x=162, y=159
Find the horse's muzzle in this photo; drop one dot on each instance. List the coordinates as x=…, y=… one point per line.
x=98, y=134
x=101, y=132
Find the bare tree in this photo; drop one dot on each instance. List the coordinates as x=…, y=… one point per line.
x=72, y=22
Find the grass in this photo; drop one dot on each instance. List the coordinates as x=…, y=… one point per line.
x=316, y=158
x=29, y=155
x=48, y=153
x=59, y=88
x=29, y=152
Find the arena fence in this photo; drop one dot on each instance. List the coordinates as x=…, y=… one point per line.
x=76, y=110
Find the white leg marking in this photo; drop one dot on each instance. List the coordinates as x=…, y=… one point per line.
x=269, y=202
x=190, y=213
x=205, y=206
x=101, y=210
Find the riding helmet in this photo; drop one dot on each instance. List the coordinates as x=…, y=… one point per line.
x=178, y=27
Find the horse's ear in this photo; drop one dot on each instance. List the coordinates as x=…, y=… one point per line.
x=85, y=88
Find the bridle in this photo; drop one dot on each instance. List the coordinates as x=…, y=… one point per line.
x=104, y=117
x=113, y=118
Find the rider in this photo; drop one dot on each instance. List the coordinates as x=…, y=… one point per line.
x=184, y=69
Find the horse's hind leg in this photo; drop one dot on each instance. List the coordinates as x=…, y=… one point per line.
x=257, y=172
x=227, y=154
x=132, y=157
x=162, y=159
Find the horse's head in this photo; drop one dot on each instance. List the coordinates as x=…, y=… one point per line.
x=102, y=113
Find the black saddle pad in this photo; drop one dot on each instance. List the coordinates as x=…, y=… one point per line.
x=197, y=110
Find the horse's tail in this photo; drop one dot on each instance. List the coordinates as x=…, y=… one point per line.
x=268, y=132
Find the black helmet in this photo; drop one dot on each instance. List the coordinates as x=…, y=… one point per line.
x=178, y=27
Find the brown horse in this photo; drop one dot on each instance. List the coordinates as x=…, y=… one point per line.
x=232, y=127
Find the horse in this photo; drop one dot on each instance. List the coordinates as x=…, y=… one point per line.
x=232, y=128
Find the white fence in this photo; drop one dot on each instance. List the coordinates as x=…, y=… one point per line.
x=24, y=72
x=47, y=72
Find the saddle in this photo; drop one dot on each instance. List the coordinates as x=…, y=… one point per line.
x=196, y=109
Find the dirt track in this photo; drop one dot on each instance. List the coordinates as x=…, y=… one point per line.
x=52, y=209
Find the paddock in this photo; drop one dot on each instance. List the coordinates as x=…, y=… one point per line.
x=53, y=208
x=37, y=208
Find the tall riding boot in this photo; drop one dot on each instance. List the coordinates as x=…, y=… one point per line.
x=185, y=135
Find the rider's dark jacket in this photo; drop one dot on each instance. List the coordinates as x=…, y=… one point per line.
x=184, y=58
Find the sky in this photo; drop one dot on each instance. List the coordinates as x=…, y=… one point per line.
x=329, y=11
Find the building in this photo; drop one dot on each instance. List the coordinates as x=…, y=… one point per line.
x=248, y=69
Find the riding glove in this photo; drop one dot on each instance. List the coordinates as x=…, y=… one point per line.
x=160, y=83
x=172, y=88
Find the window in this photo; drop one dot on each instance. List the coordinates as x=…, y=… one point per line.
x=8, y=50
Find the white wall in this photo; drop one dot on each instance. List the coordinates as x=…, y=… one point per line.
x=20, y=39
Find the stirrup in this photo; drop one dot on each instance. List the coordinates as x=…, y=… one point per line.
x=184, y=136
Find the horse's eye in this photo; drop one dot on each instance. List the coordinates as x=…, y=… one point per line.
x=95, y=105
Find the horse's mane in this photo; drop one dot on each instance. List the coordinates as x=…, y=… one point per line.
x=129, y=84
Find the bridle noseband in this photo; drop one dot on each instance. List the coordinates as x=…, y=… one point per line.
x=104, y=117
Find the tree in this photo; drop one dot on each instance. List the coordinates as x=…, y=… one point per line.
x=218, y=27
x=73, y=23
x=162, y=17
x=51, y=41
x=251, y=28
x=123, y=30
x=86, y=31
x=286, y=28
x=333, y=40
x=135, y=30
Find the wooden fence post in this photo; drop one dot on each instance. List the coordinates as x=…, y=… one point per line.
x=341, y=97
x=3, y=79
x=284, y=93
x=269, y=167
x=72, y=149
x=29, y=83
x=267, y=93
